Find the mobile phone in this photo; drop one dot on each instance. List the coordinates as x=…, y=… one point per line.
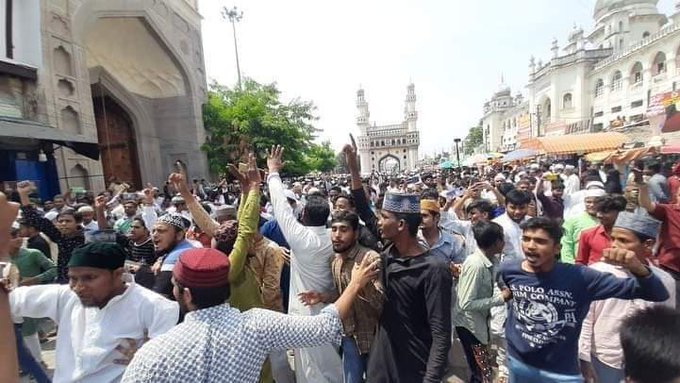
x=243, y=168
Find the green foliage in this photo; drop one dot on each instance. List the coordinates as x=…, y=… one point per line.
x=473, y=140
x=321, y=158
x=254, y=118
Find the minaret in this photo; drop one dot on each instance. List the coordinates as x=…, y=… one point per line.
x=410, y=113
x=364, y=114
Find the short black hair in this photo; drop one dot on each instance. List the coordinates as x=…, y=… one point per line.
x=651, y=345
x=206, y=297
x=346, y=217
x=73, y=213
x=482, y=205
x=316, y=211
x=550, y=226
x=557, y=184
x=505, y=188
x=653, y=166
x=517, y=197
x=346, y=196
x=487, y=234
x=609, y=203
x=412, y=221
x=429, y=194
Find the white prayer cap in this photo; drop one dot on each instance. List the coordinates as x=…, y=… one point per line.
x=594, y=193
x=560, y=166
x=569, y=167
x=313, y=190
x=595, y=184
x=85, y=209
x=533, y=166
x=499, y=177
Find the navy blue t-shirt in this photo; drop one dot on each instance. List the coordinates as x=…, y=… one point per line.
x=547, y=311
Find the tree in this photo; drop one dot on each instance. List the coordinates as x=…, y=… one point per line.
x=473, y=140
x=321, y=158
x=254, y=118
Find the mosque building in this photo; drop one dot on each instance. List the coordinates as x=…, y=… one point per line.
x=622, y=76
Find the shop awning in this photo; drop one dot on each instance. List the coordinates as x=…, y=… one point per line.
x=577, y=143
x=519, y=154
x=19, y=128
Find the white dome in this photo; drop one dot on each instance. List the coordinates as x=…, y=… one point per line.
x=602, y=7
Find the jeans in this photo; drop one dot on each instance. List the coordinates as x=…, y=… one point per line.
x=468, y=340
x=607, y=374
x=353, y=363
x=523, y=373
x=27, y=362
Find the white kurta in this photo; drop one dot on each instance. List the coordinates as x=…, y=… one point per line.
x=512, y=251
x=310, y=270
x=88, y=336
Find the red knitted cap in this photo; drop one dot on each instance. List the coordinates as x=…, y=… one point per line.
x=202, y=268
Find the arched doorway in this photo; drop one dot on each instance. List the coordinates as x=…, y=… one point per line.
x=117, y=142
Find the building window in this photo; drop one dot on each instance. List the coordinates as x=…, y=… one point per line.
x=616, y=109
x=620, y=26
x=616, y=81
x=636, y=104
x=636, y=73
x=598, y=114
x=566, y=101
x=20, y=31
x=599, y=87
x=659, y=63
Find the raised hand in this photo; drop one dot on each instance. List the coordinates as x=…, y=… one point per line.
x=275, y=159
x=627, y=259
x=178, y=181
x=364, y=272
x=25, y=187
x=253, y=175
x=100, y=202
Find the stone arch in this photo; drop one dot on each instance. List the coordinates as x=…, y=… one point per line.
x=79, y=177
x=70, y=120
x=636, y=73
x=659, y=63
x=90, y=12
x=66, y=88
x=62, y=61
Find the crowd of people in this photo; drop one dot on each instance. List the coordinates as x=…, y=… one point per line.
x=543, y=272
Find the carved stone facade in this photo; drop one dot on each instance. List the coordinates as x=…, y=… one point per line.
x=388, y=148
x=116, y=67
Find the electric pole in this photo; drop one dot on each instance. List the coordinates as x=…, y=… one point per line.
x=234, y=16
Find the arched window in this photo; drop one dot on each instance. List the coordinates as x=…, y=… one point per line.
x=547, y=108
x=599, y=87
x=616, y=81
x=566, y=101
x=659, y=65
x=636, y=73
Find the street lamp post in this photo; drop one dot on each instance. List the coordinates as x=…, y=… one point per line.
x=457, y=141
x=234, y=16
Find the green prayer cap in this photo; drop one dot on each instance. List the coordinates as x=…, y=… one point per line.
x=100, y=255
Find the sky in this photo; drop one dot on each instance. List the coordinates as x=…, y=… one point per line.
x=455, y=52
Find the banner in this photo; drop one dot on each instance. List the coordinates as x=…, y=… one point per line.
x=663, y=113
